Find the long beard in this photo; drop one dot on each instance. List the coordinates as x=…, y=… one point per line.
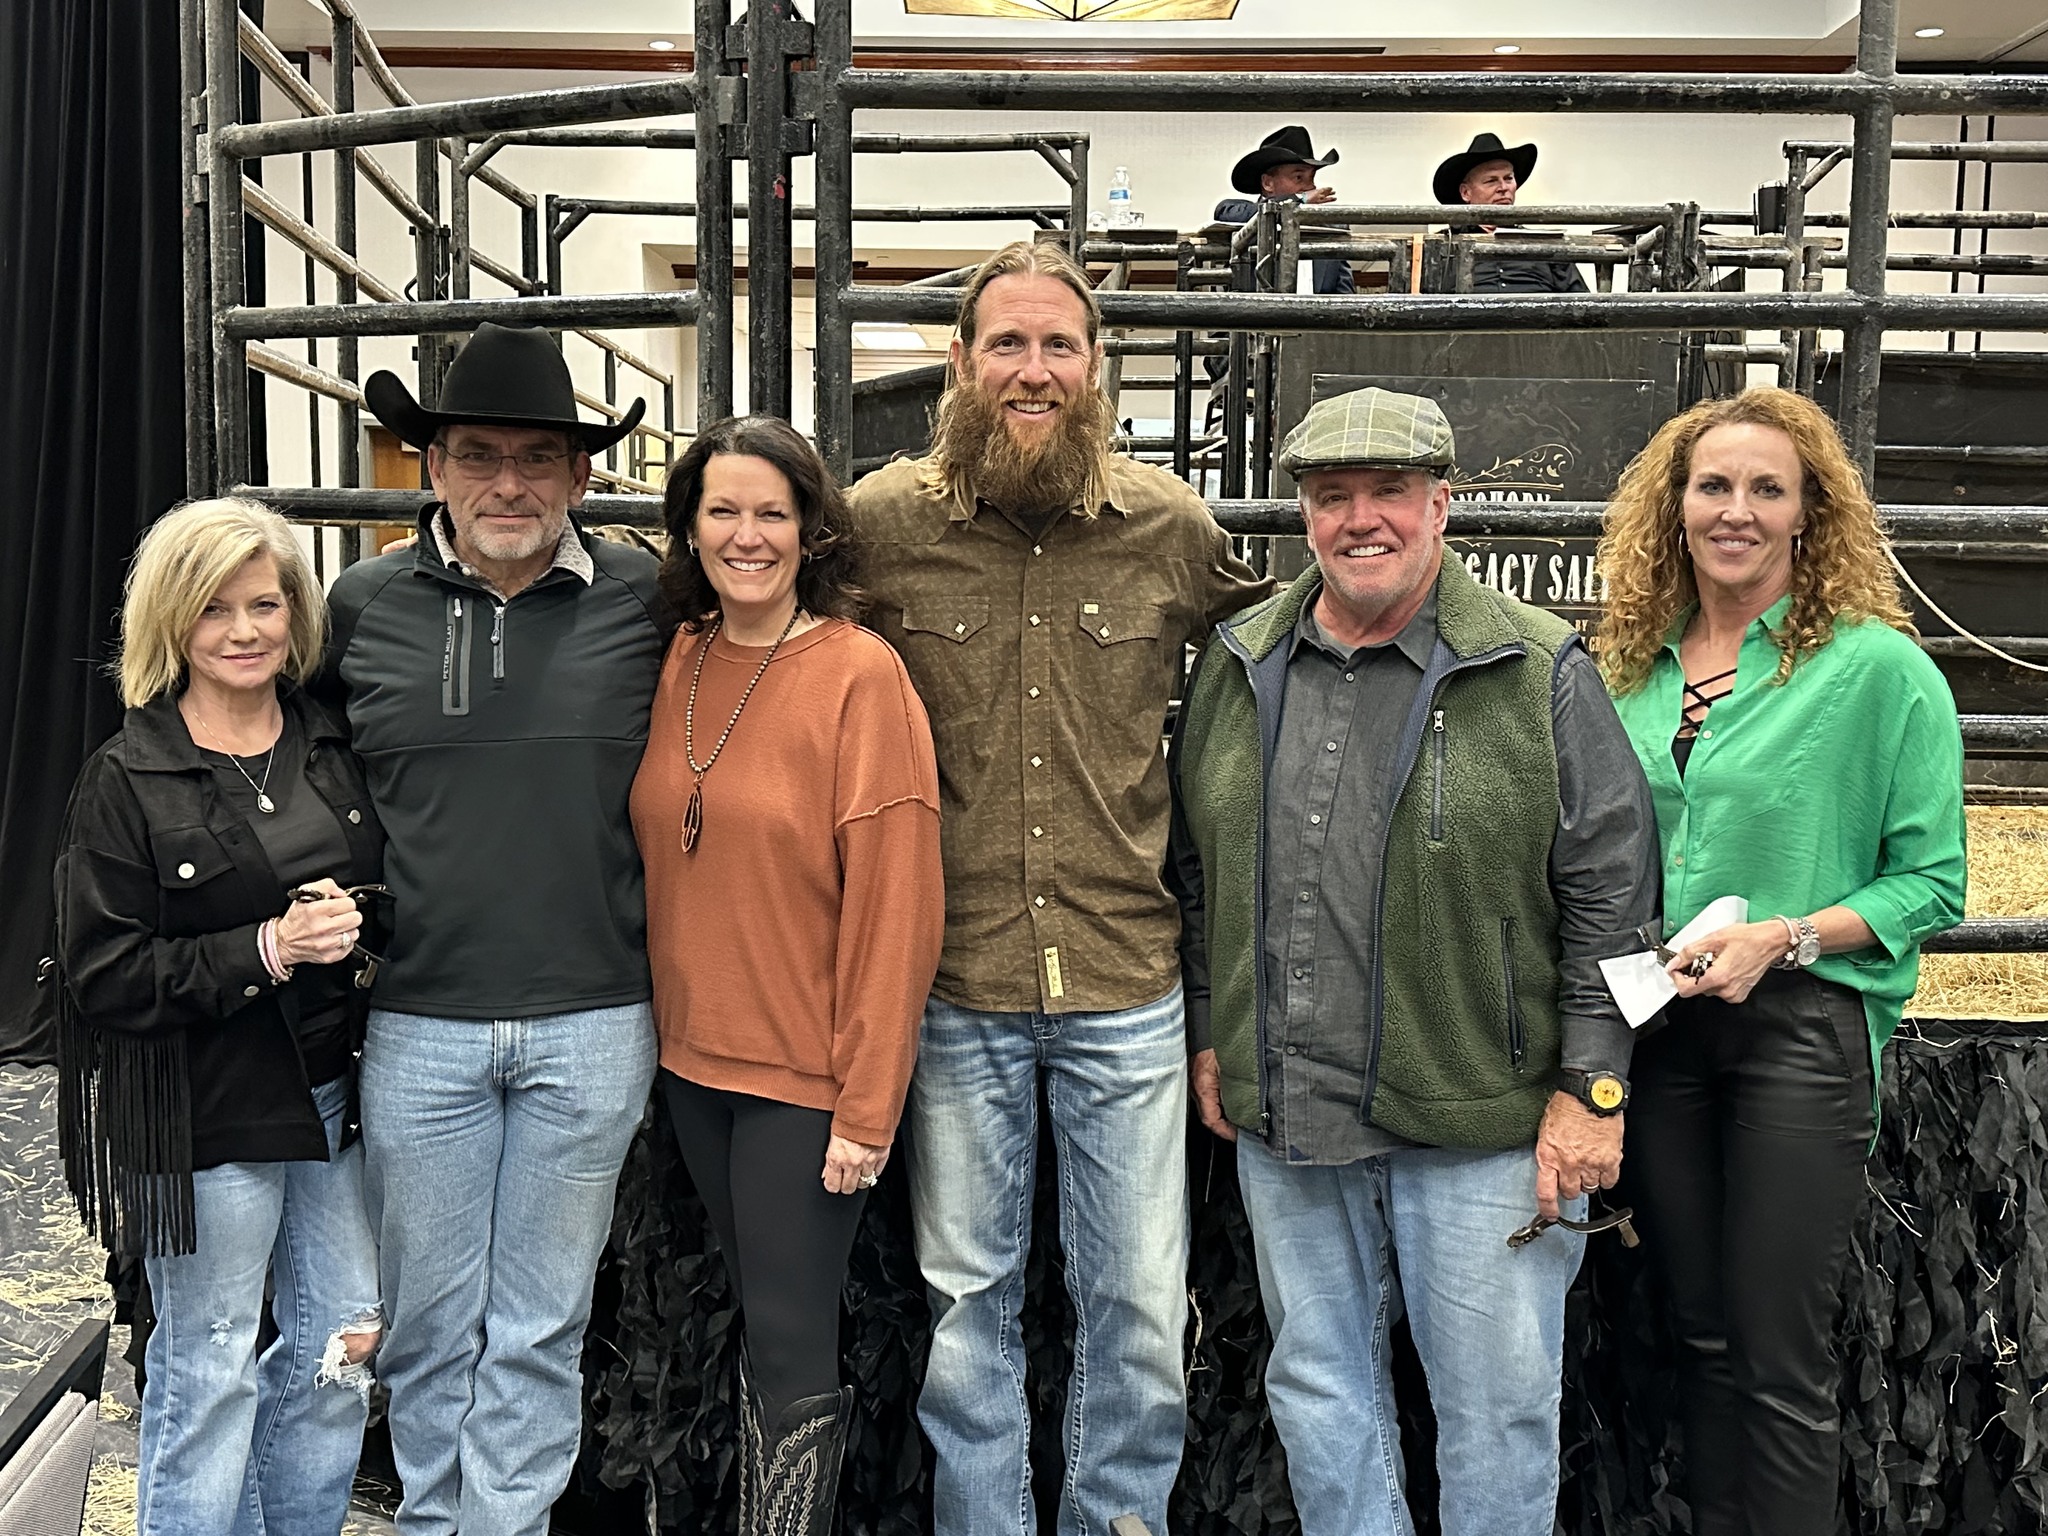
x=973, y=435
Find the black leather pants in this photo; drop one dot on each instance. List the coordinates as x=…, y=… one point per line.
x=1747, y=1133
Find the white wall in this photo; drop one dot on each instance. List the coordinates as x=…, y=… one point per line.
x=1179, y=166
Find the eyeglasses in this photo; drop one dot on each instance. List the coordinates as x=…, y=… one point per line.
x=1622, y=1219
x=535, y=465
x=374, y=902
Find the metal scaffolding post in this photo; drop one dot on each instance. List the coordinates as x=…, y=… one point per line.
x=196, y=166
x=1877, y=48
x=347, y=361
x=458, y=219
x=833, y=168
x=1077, y=220
x=1183, y=378
x=774, y=34
x=1795, y=271
x=715, y=96
x=429, y=243
x=225, y=255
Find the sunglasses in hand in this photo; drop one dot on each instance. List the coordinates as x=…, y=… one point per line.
x=368, y=899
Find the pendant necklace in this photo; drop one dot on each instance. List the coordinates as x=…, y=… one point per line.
x=264, y=803
x=693, y=814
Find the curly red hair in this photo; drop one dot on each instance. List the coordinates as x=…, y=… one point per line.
x=1841, y=570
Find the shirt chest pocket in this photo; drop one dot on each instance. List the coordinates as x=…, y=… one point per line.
x=1118, y=666
x=195, y=879
x=946, y=652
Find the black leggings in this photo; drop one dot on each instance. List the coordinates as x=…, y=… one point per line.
x=1747, y=1134
x=759, y=1166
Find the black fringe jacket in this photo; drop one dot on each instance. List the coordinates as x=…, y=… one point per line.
x=175, y=1047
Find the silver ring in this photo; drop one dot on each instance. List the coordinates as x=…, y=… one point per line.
x=870, y=1180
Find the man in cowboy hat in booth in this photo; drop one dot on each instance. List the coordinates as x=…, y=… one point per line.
x=1490, y=173
x=1284, y=166
x=497, y=678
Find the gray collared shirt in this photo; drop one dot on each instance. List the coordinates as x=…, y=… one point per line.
x=1333, y=786
x=570, y=555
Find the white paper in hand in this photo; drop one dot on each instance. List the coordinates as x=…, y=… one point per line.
x=1640, y=983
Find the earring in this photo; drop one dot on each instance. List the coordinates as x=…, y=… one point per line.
x=1797, y=546
x=692, y=543
x=1683, y=549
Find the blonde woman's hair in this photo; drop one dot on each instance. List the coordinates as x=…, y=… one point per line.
x=1839, y=569
x=946, y=480
x=188, y=555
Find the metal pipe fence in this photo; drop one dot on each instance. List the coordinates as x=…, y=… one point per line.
x=1872, y=96
x=782, y=120
x=774, y=88
x=446, y=257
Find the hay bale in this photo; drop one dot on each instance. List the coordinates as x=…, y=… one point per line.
x=2008, y=878
x=109, y=1500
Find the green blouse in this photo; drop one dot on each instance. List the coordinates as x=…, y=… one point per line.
x=1843, y=787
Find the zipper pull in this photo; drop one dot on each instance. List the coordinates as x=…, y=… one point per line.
x=1439, y=726
x=458, y=607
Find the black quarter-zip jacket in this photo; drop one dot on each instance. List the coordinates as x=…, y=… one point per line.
x=500, y=740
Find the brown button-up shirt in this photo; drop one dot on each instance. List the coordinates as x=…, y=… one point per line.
x=1046, y=663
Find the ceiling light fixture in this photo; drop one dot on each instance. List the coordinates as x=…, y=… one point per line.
x=662, y=45
x=1507, y=47
x=1929, y=31
x=1077, y=10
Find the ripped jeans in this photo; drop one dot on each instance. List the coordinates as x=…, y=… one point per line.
x=230, y=1443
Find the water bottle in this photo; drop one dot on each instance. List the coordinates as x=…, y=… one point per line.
x=1120, y=214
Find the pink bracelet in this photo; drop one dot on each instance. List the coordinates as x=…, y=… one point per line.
x=267, y=951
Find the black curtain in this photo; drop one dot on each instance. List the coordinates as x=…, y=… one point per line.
x=91, y=407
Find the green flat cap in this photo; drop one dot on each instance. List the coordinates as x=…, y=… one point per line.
x=1370, y=429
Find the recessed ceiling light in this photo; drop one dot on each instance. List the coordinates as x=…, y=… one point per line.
x=1929, y=31
x=662, y=45
x=1507, y=47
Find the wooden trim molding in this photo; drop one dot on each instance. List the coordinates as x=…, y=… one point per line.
x=1277, y=60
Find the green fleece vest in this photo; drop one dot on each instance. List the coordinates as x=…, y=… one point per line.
x=1467, y=1027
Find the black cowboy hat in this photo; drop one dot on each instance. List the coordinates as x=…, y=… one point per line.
x=1283, y=146
x=504, y=376
x=1485, y=147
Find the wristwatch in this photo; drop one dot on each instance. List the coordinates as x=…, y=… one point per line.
x=1803, y=946
x=1604, y=1093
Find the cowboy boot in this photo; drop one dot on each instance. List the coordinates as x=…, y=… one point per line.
x=789, y=1470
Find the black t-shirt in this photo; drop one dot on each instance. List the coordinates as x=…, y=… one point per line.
x=303, y=842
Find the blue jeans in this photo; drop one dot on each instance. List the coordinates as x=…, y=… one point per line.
x=263, y=1447
x=1116, y=1086
x=1341, y=1251
x=493, y=1151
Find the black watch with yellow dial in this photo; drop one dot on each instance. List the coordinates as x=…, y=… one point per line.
x=1604, y=1093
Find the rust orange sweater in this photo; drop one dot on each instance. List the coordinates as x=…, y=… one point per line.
x=793, y=949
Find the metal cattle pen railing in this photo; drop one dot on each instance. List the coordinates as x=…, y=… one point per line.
x=222, y=331
x=1871, y=96
x=1066, y=153
x=775, y=87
